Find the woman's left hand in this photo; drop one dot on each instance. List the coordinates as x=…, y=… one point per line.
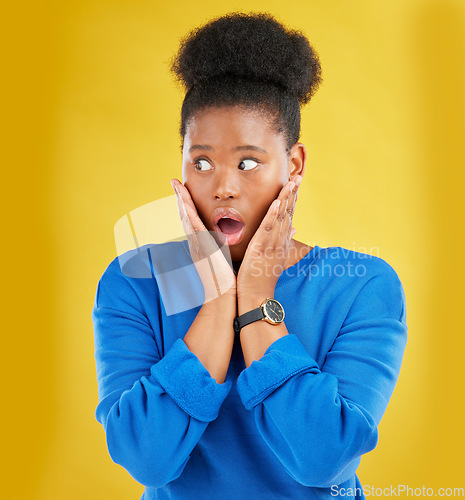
x=266, y=253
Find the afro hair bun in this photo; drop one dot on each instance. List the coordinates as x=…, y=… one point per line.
x=253, y=45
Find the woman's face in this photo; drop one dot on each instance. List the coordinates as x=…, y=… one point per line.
x=232, y=158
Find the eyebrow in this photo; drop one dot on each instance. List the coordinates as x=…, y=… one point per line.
x=248, y=147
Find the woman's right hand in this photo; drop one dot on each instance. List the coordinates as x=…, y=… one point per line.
x=214, y=270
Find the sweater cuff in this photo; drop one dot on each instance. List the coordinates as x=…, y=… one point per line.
x=283, y=359
x=183, y=376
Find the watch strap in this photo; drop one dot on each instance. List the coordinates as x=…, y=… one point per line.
x=248, y=317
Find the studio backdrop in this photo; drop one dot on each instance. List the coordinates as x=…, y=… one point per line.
x=91, y=132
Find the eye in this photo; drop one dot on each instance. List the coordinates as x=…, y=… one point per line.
x=198, y=165
x=248, y=164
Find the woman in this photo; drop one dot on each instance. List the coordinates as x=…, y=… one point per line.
x=228, y=399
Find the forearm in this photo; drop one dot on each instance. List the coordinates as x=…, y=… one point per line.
x=154, y=410
x=319, y=418
x=313, y=430
x=256, y=337
x=211, y=335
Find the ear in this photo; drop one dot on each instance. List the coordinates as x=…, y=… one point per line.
x=297, y=160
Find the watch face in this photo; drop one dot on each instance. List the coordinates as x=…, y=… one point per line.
x=274, y=310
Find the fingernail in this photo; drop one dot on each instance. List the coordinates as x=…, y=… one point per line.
x=298, y=180
x=292, y=185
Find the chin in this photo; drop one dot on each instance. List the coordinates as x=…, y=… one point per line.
x=238, y=251
x=236, y=255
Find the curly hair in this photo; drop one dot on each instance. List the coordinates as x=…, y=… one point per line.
x=250, y=60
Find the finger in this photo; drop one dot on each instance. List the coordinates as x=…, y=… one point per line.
x=286, y=214
x=298, y=180
x=194, y=217
x=181, y=209
x=269, y=220
x=187, y=225
x=282, y=219
x=290, y=208
x=270, y=223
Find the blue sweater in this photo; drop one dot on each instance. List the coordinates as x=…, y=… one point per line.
x=292, y=425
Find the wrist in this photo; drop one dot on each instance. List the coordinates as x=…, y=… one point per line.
x=247, y=302
x=224, y=305
x=262, y=293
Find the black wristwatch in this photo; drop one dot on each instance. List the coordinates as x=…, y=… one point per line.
x=270, y=310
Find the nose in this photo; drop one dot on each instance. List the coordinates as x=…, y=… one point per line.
x=226, y=186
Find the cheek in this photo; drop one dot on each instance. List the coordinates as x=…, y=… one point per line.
x=268, y=191
x=260, y=202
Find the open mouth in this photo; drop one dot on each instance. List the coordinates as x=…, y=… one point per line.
x=229, y=226
x=230, y=230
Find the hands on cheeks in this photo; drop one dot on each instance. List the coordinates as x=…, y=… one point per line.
x=267, y=251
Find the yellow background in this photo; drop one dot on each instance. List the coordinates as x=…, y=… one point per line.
x=91, y=133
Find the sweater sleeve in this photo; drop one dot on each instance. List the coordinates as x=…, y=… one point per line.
x=320, y=420
x=153, y=409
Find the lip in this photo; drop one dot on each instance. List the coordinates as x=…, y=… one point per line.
x=232, y=213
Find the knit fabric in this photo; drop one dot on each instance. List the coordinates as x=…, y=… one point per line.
x=292, y=425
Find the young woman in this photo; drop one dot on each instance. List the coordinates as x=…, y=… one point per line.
x=274, y=386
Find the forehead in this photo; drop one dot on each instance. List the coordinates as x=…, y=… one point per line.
x=232, y=126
